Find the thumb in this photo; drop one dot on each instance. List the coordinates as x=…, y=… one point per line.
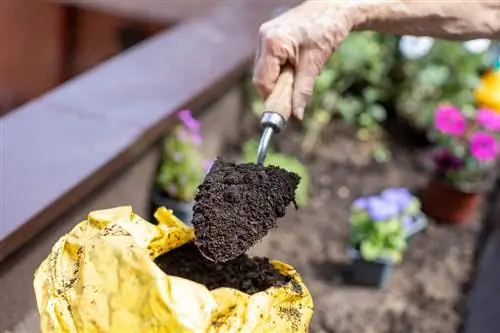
x=310, y=63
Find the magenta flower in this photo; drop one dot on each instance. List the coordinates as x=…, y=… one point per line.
x=449, y=120
x=483, y=146
x=187, y=118
x=489, y=119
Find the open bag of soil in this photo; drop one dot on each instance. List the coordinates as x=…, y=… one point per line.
x=108, y=275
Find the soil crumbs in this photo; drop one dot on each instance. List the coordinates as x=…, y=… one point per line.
x=250, y=275
x=426, y=291
x=237, y=205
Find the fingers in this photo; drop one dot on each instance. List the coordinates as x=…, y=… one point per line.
x=275, y=48
x=310, y=64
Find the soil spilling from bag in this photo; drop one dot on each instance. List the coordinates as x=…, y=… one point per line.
x=249, y=275
x=237, y=205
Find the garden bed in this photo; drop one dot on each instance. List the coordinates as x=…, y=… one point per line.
x=427, y=292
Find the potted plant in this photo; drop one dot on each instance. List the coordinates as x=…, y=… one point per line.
x=464, y=162
x=182, y=168
x=380, y=226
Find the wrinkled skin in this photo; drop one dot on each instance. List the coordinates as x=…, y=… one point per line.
x=308, y=34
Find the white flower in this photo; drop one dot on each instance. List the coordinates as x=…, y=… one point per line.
x=413, y=47
x=477, y=46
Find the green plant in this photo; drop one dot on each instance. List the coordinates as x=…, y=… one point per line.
x=379, y=224
x=448, y=73
x=183, y=166
x=354, y=85
x=284, y=161
x=468, y=147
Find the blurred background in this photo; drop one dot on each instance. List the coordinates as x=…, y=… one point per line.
x=89, y=99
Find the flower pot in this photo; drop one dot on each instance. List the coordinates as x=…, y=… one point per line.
x=418, y=224
x=182, y=210
x=368, y=273
x=446, y=204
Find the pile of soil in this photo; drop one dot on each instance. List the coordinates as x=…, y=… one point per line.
x=237, y=205
x=250, y=275
x=427, y=292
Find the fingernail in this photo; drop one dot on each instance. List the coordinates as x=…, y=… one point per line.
x=299, y=113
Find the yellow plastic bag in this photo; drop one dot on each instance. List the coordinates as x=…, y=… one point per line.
x=487, y=93
x=101, y=277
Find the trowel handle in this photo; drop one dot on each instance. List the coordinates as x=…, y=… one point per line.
x=280, y=99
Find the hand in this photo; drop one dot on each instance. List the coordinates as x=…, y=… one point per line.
x=304, y=36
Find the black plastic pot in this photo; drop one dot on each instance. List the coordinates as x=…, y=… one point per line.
x=368, y=273
x=182, y=210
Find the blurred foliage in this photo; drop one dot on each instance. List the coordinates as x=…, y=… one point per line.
x=447, y=74
x=284, y=161
x=368, y=77
x=354, y=85
x=182, y=168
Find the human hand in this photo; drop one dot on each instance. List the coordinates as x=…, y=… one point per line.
x=305, y=37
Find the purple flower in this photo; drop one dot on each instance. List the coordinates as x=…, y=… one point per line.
x=483, y=146
x=207, y=165
x=398, y=196
x=407, y=222
x=380, y=209
x=445, y=160
x=449, y=120
x=187, y=119
x=489, y=119
x=361, y=203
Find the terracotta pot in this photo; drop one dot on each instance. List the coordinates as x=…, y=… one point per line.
x=446, y=204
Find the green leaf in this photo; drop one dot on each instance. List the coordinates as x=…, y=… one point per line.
x=413, y=208
x=381, y=154
x=371, y=95
x=434, y=75
x=378, y=112
x=370, y=250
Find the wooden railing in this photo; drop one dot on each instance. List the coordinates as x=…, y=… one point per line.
x=61, y=146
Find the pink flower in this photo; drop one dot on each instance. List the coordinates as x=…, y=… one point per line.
x=449, y=120
x=187, y=119
x=483, y=146
x=489, y=119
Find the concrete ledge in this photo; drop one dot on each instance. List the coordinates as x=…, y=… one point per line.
x=130, y=187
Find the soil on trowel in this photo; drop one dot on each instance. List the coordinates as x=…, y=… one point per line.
x=237, y=205
x=249, y=275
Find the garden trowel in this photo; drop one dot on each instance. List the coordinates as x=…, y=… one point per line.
x=277, y=110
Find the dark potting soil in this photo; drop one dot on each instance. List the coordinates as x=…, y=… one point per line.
x=237, y=205
x=250, y=275
x=427, y=292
